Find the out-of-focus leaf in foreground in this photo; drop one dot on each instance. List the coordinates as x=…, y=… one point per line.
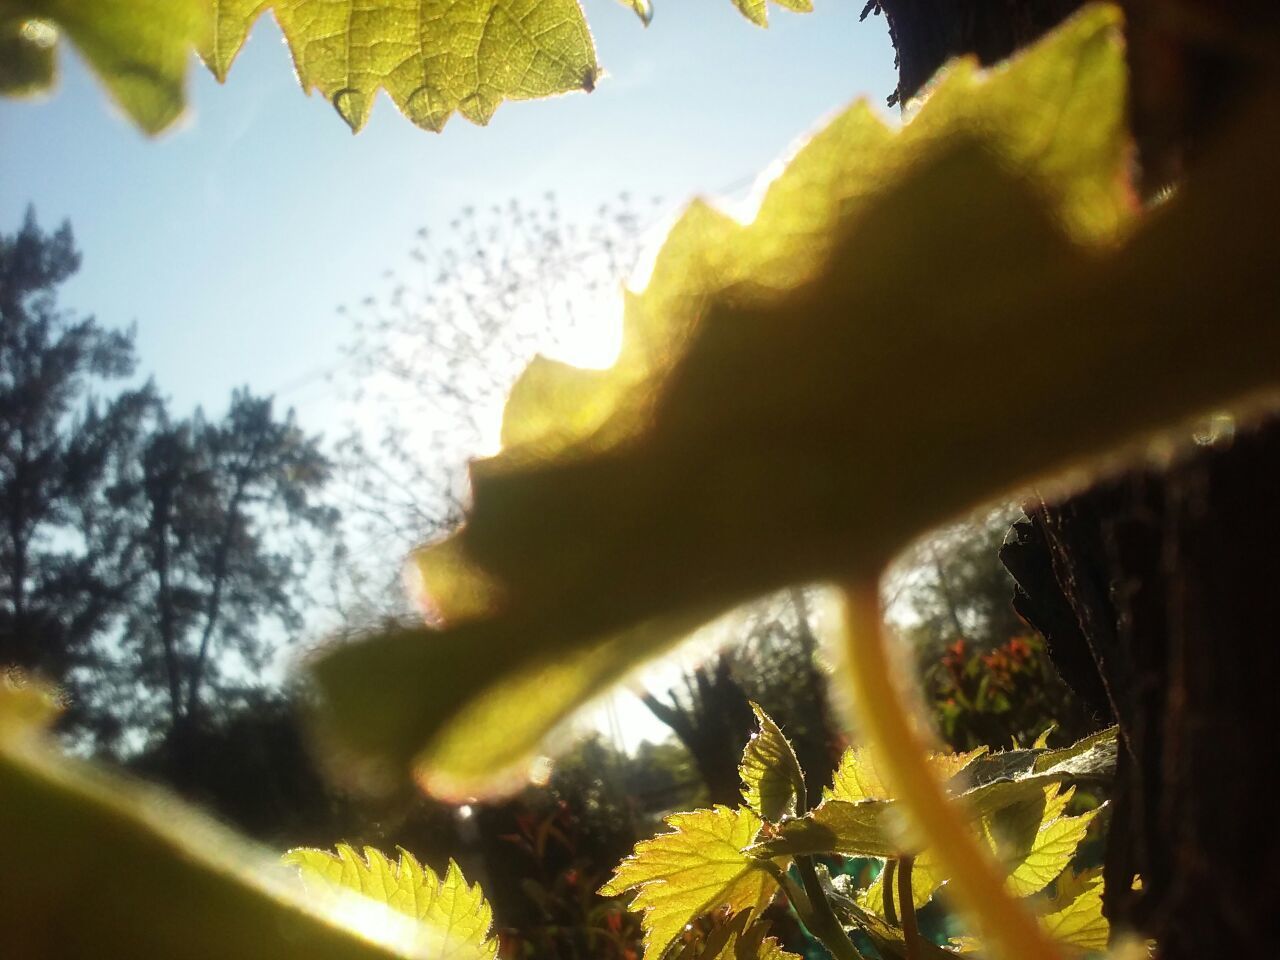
x=454, y=918
x=137, y=48
x=764, y=423
x=697, y=867
x=95, y=866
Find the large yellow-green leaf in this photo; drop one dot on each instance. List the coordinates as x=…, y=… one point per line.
x=96, y=866
x=763, y=424
x=698, y=867
x=454, y=918
x=772, y=781
x=138, y=49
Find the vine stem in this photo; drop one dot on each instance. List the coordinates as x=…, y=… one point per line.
x=814, y=909
x=907, y=907
x=1013, y=933
x=886, y=889
x=822, y=922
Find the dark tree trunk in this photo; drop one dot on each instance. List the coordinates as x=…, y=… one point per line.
x=928, y=33
x=1158, y=594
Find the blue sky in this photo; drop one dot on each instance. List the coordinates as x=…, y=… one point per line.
x=230, y=240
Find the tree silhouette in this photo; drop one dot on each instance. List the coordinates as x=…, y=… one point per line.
x=66, y=551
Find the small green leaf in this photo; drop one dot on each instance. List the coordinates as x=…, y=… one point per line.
x=698, y=867
x=772, y=781
x=455, y=918
x=138, y=48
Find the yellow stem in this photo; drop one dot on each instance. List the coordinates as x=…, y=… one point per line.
x=1010, y=931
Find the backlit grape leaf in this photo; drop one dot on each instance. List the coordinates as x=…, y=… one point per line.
x=1037, y=850
x=99, y=866
x=758, y=430
x=871, y=828
x=698, y=867
x=1032, y=840
x=1073, y=912
x=434, y=58
x=772, y=782
x=454, y=918
x=1019, y=812
x=1072, y=915
x=137, y=48
x=857, y=777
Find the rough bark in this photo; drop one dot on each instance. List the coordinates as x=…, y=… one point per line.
x=1164, y=583
x=928, y=33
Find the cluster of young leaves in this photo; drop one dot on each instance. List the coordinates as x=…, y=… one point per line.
x=755, y=431
x=434, y=58
x=734, y=861
x=99, y=866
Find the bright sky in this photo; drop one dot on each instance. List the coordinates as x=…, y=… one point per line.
x=231, y=240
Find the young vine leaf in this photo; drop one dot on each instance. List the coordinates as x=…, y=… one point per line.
x=698, y=867
x=772, y=781
x=434, y=58
x=98, y=866
x=454, y=919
